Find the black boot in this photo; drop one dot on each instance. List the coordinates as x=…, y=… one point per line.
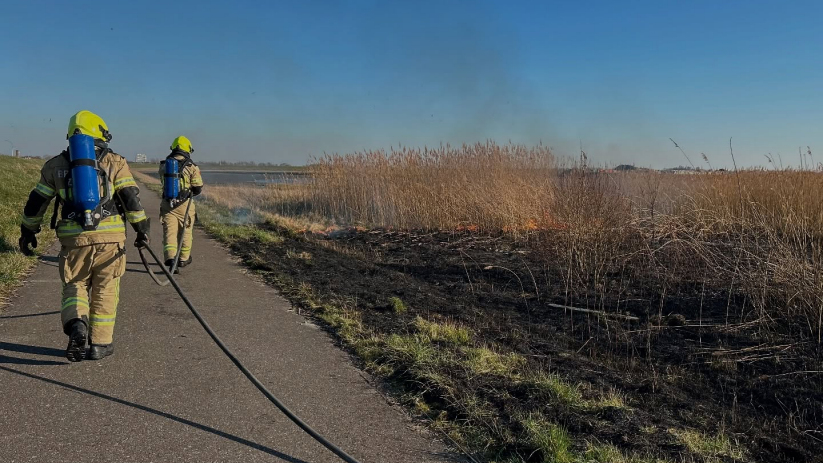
x=99, y=351
x=185, y=263
x=78, y=332
x=170, y=264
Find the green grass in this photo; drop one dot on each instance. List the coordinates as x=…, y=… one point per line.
x=443, y=332
x=555, y=389
x=552, y=440
x=612, y=399
x=414, y=351
x=482, y=360
x=17, y=178
x=710, y=447
x=244, y=233
x=605, y=453
x=222, y=223
x=551, y=386
x=608, y=453
x=397, y=305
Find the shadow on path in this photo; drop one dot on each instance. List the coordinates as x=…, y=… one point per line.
x=51, y=261
x=5, y=359
x=141, y=268
x=169, y=416
x=31, y=315
x=132, y=270
x=26, y=349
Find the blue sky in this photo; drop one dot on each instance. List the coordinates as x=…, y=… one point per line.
x=282, y=81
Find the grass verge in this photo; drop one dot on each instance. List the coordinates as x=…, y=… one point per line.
x=17, y=178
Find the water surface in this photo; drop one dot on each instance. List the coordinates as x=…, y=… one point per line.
x=223, y=177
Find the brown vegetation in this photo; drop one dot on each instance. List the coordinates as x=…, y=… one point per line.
x=714, y=277
x=760, y=231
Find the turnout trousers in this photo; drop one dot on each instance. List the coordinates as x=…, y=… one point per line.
x=91, y=287
x=175, y=226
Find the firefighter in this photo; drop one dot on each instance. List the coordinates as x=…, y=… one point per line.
x=92, y=236
x=181, y=182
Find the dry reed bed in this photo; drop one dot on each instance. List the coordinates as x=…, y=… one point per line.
x=753, y=239
x=755, y=233
x=486, y=186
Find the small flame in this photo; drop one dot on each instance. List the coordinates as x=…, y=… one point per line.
x=468, y=228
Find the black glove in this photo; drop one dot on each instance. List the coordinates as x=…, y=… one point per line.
x=27, y=237
x=142, y=240
x=142, y=228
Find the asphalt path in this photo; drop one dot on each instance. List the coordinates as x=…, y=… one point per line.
x=168, y=394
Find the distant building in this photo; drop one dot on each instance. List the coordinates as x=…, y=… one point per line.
x=141, y=158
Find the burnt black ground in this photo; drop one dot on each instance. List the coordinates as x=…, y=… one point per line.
x=671, y=379
x=169, y=394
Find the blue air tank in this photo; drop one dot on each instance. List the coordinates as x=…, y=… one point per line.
x=171, y=182
x=85, y=187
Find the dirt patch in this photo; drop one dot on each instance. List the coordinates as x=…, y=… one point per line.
x=651, y=360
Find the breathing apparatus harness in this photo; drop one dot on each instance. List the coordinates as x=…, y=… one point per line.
x=173, y=178
x=83, y=203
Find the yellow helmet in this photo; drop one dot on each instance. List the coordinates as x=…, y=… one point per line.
x=183, y=143
x=88, y=123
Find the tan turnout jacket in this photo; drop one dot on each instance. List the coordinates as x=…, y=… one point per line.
x=112, y=229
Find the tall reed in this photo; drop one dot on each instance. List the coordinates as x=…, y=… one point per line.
x=757, y=233
x=482, y=186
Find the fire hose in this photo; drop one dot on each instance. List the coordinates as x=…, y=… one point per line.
x=294, y=418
